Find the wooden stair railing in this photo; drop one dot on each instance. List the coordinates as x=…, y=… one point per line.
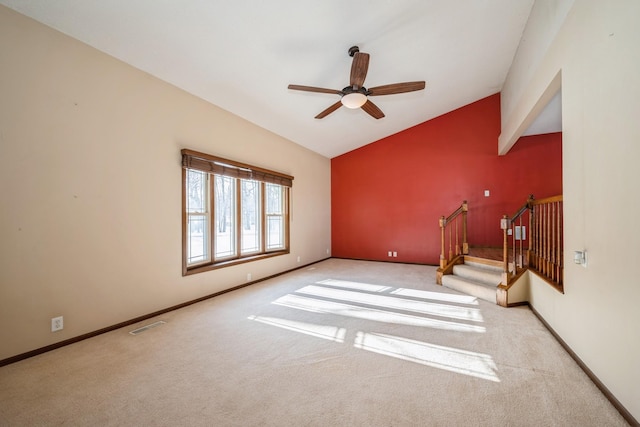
x=513, y=255
x=546, y=246
x=453, y=229
x=544, y=252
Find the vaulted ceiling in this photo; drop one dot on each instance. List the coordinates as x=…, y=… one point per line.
x=241, y=55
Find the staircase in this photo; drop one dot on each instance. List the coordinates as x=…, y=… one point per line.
x=478, y=277
x=494, y=274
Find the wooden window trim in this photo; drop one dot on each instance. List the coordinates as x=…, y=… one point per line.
x=218, y=165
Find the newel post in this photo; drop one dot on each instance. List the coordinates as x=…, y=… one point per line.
x=531, y=230
x=442, y=223
x=504, y=225
x=465, y=243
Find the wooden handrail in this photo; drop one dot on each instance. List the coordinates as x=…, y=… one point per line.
x=551, y=199
x=448, y=227
x=461, y=209
x=522, y=210
x=509, y=269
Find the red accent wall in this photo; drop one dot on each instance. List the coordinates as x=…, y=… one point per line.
x=388, y=195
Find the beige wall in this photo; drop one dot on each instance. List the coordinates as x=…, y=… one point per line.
x=596, y=53
x=544, y=22
x=90, y=183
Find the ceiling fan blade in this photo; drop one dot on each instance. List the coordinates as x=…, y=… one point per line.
x=373, y=110
x=315, y=89
x=329, y=110
x=396, y=88
x=359, y=69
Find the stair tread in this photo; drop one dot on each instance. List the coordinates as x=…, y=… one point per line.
x=477, y=277
x=474, y=273
x=470, y=281
x=479, y=267
x=484, y=264
x=480, y=290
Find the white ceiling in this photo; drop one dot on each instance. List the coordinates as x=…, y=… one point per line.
x=240, y=55
x=550, y=118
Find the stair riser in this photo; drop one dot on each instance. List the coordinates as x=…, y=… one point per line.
x=486, y=293
x=487, y=277
x=486, y=264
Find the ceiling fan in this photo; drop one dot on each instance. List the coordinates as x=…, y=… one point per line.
x=356, y=95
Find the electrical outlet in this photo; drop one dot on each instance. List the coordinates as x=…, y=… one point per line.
x=298, y=259
x=389, y=253
x=248, y=277
x=57, y=324
x=395, y=254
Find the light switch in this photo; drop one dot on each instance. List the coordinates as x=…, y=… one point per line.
x=486, y=193
x=580, y=257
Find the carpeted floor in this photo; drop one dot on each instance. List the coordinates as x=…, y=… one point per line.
x=340, y=343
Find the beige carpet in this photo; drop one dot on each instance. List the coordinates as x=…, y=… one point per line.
x=340, y=343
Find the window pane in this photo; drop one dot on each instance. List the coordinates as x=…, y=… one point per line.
x=275, y=216
x=274, y=198
x=196, y=191
x=275, y=232
x=250, y=203
x=225, y=217
x=197, y=241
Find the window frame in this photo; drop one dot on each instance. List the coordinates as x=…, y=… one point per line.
x=257, y=217
x=213, y=165
x=206, y=213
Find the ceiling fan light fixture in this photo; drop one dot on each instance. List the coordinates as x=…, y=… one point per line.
x=354, y=100
x=356, y=95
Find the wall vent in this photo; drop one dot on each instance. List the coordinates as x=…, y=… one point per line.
x=145, y=328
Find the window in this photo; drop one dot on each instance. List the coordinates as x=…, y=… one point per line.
x=198, y=217
x=275, y=216
x=232, y=212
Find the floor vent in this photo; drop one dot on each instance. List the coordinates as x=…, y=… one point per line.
x=145, y=328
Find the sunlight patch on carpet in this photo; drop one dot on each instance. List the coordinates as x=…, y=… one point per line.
x=332, y=333
x=437, y=296
x=447, y=358
x=365, y=313
x=385, y=301
x=354, y=285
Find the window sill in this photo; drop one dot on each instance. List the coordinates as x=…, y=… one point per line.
x=187, y=271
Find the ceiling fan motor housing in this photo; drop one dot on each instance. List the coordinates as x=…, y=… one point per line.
x=354, y=89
